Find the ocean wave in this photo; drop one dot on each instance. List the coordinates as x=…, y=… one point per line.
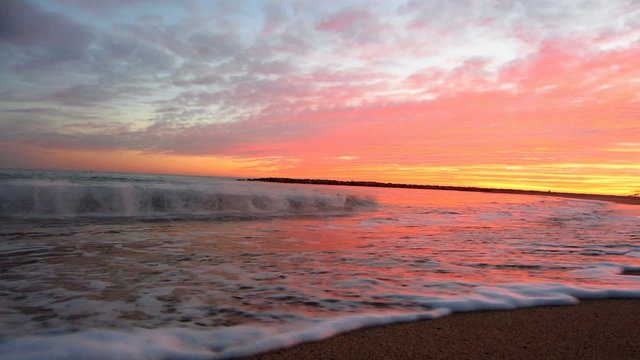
x=38, y=198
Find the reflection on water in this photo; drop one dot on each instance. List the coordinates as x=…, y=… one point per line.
x=61, y=276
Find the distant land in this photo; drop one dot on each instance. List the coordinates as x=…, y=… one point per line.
x=634, y=200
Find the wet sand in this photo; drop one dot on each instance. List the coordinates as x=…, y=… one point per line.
x=594, y=329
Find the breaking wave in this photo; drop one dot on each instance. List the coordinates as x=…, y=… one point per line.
x=38, y=198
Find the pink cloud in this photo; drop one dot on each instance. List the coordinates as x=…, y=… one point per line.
x=343, y=20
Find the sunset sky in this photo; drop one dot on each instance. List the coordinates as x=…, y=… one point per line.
x=536, y=94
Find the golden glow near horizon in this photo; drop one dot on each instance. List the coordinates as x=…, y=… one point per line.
x=521, y=94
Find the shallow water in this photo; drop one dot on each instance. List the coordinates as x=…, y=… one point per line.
x=300, y=263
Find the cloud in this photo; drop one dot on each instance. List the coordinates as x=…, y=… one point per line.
x=80, y=95
x=356, y=27
x=346, y=157
x=490, y=119
x=276, y=17
x=414, y=85
x=344, y=20
x=99, y=7
x=38, y=38
x=126, y=56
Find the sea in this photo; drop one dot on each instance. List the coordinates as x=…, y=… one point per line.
x=139, y=266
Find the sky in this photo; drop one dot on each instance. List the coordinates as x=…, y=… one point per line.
x=530, y=94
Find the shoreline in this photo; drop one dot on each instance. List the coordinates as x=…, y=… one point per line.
x=631, y=200
x=592, y=329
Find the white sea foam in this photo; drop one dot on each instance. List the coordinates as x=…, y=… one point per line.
x=243, y=340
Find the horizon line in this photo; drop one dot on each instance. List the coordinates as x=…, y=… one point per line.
x=627, y=199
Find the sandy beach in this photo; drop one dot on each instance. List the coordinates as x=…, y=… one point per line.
x=594, y=329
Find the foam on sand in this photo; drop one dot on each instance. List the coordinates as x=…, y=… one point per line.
x=243, y=340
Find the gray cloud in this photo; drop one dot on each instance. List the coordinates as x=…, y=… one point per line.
x=236, y=74
x=39, y=38
x=80, y=95
x=50, y=112
x=355, y=25
x=276, y=16
x=99, y=7
x=162, y=136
